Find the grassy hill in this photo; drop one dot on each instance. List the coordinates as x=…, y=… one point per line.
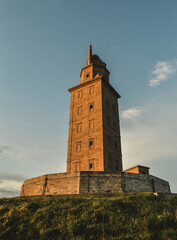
x=104, y=216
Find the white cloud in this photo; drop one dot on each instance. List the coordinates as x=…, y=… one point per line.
x=4, y=149
x=132, y=113
x=10, y=185
x=162, y=72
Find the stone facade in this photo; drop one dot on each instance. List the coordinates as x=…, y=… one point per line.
x=100, y=182
x=94, y=130
x=94, y=160
x=133, y=182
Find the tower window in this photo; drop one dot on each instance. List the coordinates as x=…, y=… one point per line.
x=87, y=75
x=79, y=127
x=91, y=166
x=91, y=107
x=91, y=124
x=79, y=110
x=91, y=143
x=115, y=144
x=80, y=94
x=78, y=146
x=77, y=167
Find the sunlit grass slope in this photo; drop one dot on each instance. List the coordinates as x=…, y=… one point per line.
x=104, y=216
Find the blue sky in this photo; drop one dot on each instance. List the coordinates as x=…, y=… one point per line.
x=43, y=46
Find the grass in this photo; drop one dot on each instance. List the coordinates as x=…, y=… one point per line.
x=98, y=216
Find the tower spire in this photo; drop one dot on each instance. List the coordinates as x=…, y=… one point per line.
x=89, y=54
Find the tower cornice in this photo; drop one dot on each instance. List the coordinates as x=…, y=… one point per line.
x=92, y=81
x=84, y=84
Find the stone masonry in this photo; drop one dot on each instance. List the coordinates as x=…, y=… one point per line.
x=93, y=182
x=94, y=130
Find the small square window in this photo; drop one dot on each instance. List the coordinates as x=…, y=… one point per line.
x=91, y=106
x=87, y=76
x=91, y=144
x=91, y=166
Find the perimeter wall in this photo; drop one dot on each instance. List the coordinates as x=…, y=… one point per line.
x=93, y=182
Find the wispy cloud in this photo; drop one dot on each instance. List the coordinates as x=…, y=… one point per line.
x=4, y=149
x=12, y=177
x=162, y=72
x=8, y=193
x=10, y=184
x=132, y=113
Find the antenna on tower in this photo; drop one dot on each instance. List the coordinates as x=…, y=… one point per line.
x=89, y=54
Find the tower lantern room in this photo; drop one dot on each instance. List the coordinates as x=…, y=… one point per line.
x=94, y=67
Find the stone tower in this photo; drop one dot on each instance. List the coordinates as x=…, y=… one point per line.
x=94, y=131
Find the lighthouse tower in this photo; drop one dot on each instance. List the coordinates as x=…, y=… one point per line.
x=94, y=130
x=94, y=161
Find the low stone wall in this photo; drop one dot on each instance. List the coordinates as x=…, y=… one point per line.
x=100, y=182
x=93, y=182
x=144, y=183
x=52, y=184
x=33, y=186
x=160, y=185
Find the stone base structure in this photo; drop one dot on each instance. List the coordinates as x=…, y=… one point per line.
x=93, y=182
